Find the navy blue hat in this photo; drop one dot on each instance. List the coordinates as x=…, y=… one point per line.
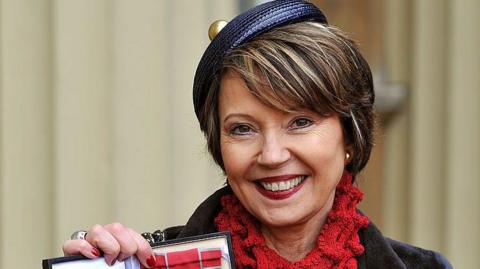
x=242, y=28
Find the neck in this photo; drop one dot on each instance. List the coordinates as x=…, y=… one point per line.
x=294, y=242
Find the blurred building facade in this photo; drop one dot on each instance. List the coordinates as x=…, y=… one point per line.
x=97, y=122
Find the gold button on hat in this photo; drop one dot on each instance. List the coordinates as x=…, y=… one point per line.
x=215, y=28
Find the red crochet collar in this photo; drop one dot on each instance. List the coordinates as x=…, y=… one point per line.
x=337, y=245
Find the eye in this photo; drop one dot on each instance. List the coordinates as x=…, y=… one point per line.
x=301, y=123
x=241, y=129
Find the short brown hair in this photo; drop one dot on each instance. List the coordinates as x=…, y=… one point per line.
x=305, y=65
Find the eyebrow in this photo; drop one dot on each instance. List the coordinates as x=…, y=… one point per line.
x=237, y=115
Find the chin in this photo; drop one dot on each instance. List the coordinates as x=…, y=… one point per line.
x=282, y=219
x=281, y=223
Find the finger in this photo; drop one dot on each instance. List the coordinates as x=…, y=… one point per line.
x=80, y=246
x=128, y=246
x=102, y=239
x=144, y=250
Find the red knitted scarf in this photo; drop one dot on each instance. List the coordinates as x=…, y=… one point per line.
x=337, y=245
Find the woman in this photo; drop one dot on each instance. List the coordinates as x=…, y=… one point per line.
x=285, y=102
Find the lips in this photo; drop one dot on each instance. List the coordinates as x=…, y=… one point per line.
x=282, y=187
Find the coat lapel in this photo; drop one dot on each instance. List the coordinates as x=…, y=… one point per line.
x=378, y=252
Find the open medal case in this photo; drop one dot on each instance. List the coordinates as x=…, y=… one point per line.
x=199, y=252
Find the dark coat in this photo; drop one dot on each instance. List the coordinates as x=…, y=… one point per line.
x=380, y=252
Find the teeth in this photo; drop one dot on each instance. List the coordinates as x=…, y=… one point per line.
x=274, y=186
x=282, y=185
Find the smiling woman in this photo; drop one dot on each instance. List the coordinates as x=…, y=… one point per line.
x=270, y=156
x=286, y=104
x=282, y=166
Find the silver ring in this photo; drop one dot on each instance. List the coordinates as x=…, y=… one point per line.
x=79, y=235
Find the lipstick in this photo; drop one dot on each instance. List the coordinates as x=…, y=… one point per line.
x=274, y=193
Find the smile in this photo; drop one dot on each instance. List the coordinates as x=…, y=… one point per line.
x=279, y=188
x=282, y=185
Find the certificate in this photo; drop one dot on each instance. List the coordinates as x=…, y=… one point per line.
x=199, y=252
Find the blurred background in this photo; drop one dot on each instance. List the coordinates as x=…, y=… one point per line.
x=97, y=122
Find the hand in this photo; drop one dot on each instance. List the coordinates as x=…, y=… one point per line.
x=115, y=241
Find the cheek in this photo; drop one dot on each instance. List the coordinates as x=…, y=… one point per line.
x=235, y=159
x=323, y=156
x=317, y=149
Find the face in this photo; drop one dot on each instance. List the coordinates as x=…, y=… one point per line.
x=283, y=167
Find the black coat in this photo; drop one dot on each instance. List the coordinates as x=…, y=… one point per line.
x=380, y=252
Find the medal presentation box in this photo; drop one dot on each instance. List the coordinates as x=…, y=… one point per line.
x=199, y=252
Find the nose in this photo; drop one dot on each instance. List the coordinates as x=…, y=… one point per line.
x=273, y=153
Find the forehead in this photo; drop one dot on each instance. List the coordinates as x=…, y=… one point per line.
x=236, y=98
x=237, y=88
x=234, y=94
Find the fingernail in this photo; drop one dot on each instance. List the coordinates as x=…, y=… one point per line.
x=151, y=261
x=95, y=252
x=113, y=262
x=122, y=257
